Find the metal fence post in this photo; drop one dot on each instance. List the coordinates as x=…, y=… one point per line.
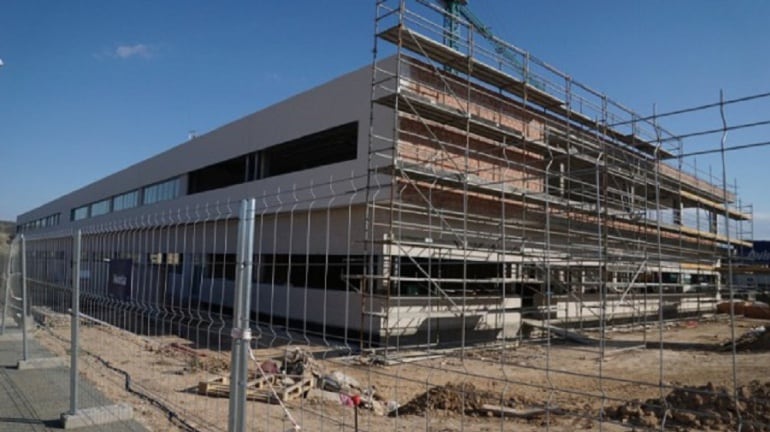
x=241, y=312
x=75, y=324
x=24, y=300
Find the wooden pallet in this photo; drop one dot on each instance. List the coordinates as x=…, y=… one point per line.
x=258, y=389
x=296, y=390
x=220, y=387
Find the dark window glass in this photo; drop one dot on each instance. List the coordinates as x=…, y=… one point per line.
x=333, y=272
x=163, y=191
x=100, y=207
x=125, y=201
x=323, y=148
x=219, y=175
x=419, y=276
x=80, y=213
x=220, y=266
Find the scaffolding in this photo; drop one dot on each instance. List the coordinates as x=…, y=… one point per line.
x=505, y=178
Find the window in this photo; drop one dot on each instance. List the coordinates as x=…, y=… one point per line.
x=79, y=213
x=52, y=220
x=333, y=145
x=163, y=191
x=480, y=277
x=220, y=266
x=175, y=260
x=125, y=201
x=703, y=279
x=219, y=175
x=670, y=278
x=334, y=272
x=100, y=207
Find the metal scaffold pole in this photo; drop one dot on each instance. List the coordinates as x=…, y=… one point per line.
x=241, y=333
x=24, y=299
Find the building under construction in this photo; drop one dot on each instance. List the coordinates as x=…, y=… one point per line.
x=508, y=178
x=459, y=185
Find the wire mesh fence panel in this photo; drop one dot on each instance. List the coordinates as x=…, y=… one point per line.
x=307, y=282
x=154, y=311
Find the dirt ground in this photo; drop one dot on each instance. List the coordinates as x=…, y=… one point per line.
x=617, y=382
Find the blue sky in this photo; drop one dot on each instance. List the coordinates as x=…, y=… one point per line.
x=90, y=87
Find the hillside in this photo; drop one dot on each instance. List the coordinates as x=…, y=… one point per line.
x=7, y=227
x=6, y=231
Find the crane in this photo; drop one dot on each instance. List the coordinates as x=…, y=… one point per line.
x=459, y=8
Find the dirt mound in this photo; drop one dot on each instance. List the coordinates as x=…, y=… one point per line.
x=456, y=398
x=756, y=339
x=699, y=408
x=738, y=307
x=756, y=309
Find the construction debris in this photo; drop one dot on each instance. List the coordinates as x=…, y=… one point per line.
x=501, y=411
x=464, y=398
x=295, y=377
x=371, y=358
x=298, y=362
x=700, y=408
x=561, y=332
x=606, y=355
x=220, y=387
x=261, y=389
x=338, y=381
x=756, y=339
x=756, y=309
x=269, y=367
x=291, y=379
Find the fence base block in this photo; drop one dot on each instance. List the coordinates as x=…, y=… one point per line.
x=29, y=320
x=41, y=363
x=97, y=416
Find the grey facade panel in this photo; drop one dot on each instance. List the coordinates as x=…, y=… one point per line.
x=343, y=100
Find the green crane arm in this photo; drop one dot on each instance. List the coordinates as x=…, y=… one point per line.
x=457, y=8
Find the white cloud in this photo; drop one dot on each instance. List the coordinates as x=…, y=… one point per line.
x=271, y=77
x=128, y=51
